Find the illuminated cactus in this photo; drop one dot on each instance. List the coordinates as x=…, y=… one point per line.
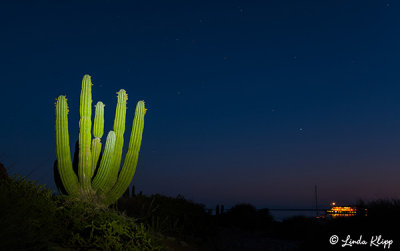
x=107, y=186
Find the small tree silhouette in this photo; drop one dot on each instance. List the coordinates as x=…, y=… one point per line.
x=243, y=216
x=3, y=172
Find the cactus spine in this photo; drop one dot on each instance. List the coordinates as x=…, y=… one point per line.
x=107, y=186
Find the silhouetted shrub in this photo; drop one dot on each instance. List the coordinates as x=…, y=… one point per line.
x=246, y=217
x=264, y=217
x=167, y=215
x=32, y=219
x=27, y=215
x=296, y=228
x=3, y=172
x=384, y=209
x=243, y=216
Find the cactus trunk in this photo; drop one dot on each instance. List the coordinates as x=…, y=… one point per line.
x=85, y=136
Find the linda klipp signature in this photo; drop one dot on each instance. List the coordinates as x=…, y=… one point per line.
x=374, y=241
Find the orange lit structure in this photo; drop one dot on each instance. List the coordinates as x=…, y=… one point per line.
x=342, y=211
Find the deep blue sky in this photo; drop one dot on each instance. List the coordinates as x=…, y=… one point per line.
x=248, y=101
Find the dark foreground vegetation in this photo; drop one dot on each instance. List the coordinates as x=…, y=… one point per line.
x=31, y=218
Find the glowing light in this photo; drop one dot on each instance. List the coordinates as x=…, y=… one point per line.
x=342, y=211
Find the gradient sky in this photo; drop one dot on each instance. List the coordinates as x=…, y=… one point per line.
x=248, y=101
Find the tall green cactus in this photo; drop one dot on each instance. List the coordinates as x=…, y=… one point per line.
x=107, y=186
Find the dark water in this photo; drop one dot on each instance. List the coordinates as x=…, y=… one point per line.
x=281, y=215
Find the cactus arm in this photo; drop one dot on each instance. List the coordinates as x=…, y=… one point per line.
x=96, y=150
x=98, y=130
x=85, y=125
x=105, y=163
x=98, y=126
x=119, y=129
x=131, y=159
x=64, y=163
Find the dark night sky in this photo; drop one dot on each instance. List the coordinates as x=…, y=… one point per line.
x=248, y=101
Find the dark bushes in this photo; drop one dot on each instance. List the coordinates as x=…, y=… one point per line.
x=32, y=219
